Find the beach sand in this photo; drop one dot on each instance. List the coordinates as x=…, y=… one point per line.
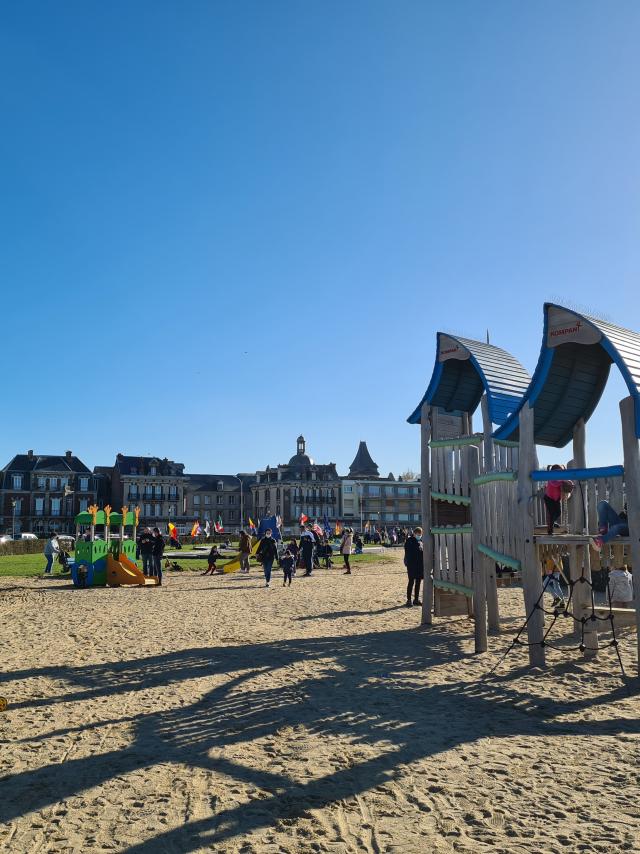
x=215, y=715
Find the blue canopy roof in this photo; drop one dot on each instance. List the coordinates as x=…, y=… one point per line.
x=576, y=356
x=464, y=370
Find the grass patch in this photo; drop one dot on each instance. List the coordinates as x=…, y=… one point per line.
x=25, y=566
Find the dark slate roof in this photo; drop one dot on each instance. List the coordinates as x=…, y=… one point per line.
x=125, y=464
x=45, y=463
x=363, y=464
x=464, y=369
x=209, y=482
x=572, y=371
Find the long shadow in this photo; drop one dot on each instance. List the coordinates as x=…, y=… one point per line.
x=367, y=692
x=338, y=615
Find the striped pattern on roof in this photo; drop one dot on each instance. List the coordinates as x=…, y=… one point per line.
x=572, y=372
x=460, y=378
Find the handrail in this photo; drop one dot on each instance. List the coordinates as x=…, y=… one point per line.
x=451, y=585
x=451, y=498
x=475, y=439
x=498, y=557
x=577, y=474
x=453, y=529
x=492, y=476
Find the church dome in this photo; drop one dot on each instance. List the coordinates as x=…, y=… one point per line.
x=300, y=459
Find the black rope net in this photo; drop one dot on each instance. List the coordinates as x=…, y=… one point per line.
x=565, y=610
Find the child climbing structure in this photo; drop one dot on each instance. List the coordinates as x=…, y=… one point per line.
x=466, y=374
x=109, y=560
x=574, y=364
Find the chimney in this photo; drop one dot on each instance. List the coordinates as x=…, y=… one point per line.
x=30, y=454
x=68, y=454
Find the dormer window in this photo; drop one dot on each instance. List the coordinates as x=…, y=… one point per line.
x=220, y=486
x=153, y=470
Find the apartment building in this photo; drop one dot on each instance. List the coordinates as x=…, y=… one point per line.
x=40, y=493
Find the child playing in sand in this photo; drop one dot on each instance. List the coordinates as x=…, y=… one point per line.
x=287, y=562
x=621, y=588
x=551, y=582
x=213, y=556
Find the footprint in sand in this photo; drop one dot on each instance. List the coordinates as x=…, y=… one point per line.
x=495, y=820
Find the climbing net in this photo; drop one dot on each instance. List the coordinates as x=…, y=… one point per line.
x=582, y=616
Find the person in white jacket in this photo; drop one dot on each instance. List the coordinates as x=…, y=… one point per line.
x=345, y=548
x=621, y=587
x=51, y=549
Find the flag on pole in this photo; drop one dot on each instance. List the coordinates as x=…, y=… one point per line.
x=338, y=528
x=317, y=529
x=367, y=526
x=270, y=523
x=196, y=530
x=172, y=530
x=207, y=528
x=252, y=524
x=303, y=519
x=219, y=526
x=279, y=521
x=326, y=525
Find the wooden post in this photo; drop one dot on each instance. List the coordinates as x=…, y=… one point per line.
x=632, y=485
x=488, y=464
x=492, y=595
x=579, y=516
x=531, y=575
x=479, y=583
x=425, y=494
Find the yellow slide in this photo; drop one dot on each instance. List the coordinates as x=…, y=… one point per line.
x=234, y=564
x=125, y=571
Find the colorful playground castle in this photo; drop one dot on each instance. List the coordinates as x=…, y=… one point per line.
x=481, y=491
x=110, y=559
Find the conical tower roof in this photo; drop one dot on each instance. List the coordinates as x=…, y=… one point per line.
x=363, y=465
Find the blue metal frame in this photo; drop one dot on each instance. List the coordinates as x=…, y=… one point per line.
x=577, y=474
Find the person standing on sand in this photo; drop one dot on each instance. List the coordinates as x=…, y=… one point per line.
x=145, y=545
x=51, y=549
x=245, y=550
x=307, y=544
x=266, y=553
x=413, y=560
x=345, y=549
x=287, y=563
x=157, y=552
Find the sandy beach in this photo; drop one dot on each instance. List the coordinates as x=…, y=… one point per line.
x=215, y=715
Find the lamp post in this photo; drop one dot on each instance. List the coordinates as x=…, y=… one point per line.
x=360, y=496
x=14, y=504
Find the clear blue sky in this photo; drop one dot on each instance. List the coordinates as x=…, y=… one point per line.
x=226, y=223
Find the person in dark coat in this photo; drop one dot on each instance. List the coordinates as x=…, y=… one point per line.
x=266, y=553
x=145, y=547
x=413, y=560
x=158, y=550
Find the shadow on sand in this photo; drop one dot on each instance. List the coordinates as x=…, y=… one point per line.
x=367, y=691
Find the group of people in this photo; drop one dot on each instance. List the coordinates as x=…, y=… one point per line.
x=150, y=548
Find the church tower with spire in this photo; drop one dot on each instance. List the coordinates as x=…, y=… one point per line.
x=363, y=465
